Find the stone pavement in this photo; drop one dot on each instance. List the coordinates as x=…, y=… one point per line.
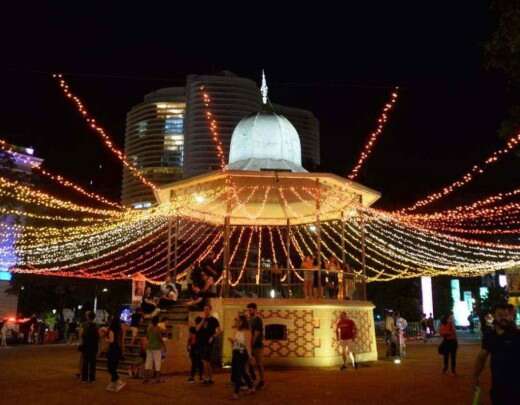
x=45, y=375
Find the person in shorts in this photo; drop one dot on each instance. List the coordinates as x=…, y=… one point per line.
x=257, y=335
x=346, y=333
x=208, y=329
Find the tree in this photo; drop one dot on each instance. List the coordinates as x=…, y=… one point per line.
x=399, y=295
x=502, y=53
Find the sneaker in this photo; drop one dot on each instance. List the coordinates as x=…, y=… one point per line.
x=210, y=382
x=111, y=387
x=119, y=385
x=355, y=365
x=260, y=385
x=343, y=367
x=191, y=380
x=234, y=396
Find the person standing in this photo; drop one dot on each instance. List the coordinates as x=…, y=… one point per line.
x=241, y=351
x=257, y=335
x=389, y=333
x=3, y=334
x=114, y=339
x=194, y=351
x=431, y=325
x=345, y=334
x=449, y=343
x=332, y=270
x=503, y=345
x=209, y=329
x=401, y=325
x=89, y=348
x=154, y=349
x=308, y=267
x=424, y=328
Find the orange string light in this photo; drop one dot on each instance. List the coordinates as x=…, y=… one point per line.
x=100, y=131
x=372, y=139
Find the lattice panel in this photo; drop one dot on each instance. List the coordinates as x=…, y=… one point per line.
x=300, y=334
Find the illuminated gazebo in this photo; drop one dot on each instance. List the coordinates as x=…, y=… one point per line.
x=264, y=186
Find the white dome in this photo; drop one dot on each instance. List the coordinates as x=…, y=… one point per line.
x=265, y=141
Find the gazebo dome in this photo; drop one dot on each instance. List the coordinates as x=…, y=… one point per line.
x=265, y=141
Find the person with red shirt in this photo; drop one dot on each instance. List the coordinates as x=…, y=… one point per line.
x=346, y=333
x=449, y=343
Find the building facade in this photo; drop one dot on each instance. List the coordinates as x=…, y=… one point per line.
x=167, y=136
x=154, y=143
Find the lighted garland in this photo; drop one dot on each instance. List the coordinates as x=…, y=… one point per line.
x=372, y=139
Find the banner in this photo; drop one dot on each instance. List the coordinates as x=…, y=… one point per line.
x=513, y=280
x=138, y=287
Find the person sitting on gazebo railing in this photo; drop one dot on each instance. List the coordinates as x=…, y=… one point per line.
x=201, y=294
x=276, y=279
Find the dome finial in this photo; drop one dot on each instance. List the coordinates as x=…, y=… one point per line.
x=264, y=88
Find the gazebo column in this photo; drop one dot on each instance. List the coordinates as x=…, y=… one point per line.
x=343, y=258
x=175, y=248
x=225, y=279
x=169, y=249
x=318, y=236
x=288, y=262
x=363, y=248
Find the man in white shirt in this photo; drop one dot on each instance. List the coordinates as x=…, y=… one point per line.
x=401, y=324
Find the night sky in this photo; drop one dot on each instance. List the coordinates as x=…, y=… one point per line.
x=339, y=63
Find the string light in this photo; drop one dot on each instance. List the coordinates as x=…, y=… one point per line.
x=100, y=131
x=372, y=139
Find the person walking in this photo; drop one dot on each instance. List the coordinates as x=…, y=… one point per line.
x=208, y=329
x=152, y=365
x=449, y=344
x=89, y=348
x=241, y=350
x=257, y=335
x=114, y=339
x=503, y=346
x=345, y=334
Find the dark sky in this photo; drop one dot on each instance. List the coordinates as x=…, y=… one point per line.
x=338, y=62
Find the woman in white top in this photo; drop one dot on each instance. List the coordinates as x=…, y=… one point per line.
x=241, y=343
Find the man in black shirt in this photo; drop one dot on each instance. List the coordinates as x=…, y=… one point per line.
x=503, y=344
x=89, y=348
x=257, y=334
x=207, y=330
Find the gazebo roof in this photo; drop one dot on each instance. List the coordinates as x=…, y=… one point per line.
x=265, y=197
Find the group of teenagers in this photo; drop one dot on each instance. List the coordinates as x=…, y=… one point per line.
x=247, y=345
x=329, y=279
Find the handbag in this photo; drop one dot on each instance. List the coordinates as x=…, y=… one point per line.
x=442, y=347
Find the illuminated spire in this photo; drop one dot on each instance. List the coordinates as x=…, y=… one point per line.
x=264, y=88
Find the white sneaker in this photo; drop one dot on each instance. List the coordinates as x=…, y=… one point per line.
x=119, y=385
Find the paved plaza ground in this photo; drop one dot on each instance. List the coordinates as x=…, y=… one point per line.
x=45, y=375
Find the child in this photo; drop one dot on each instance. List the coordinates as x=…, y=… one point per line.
x=195, y=352
x=154, y=351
